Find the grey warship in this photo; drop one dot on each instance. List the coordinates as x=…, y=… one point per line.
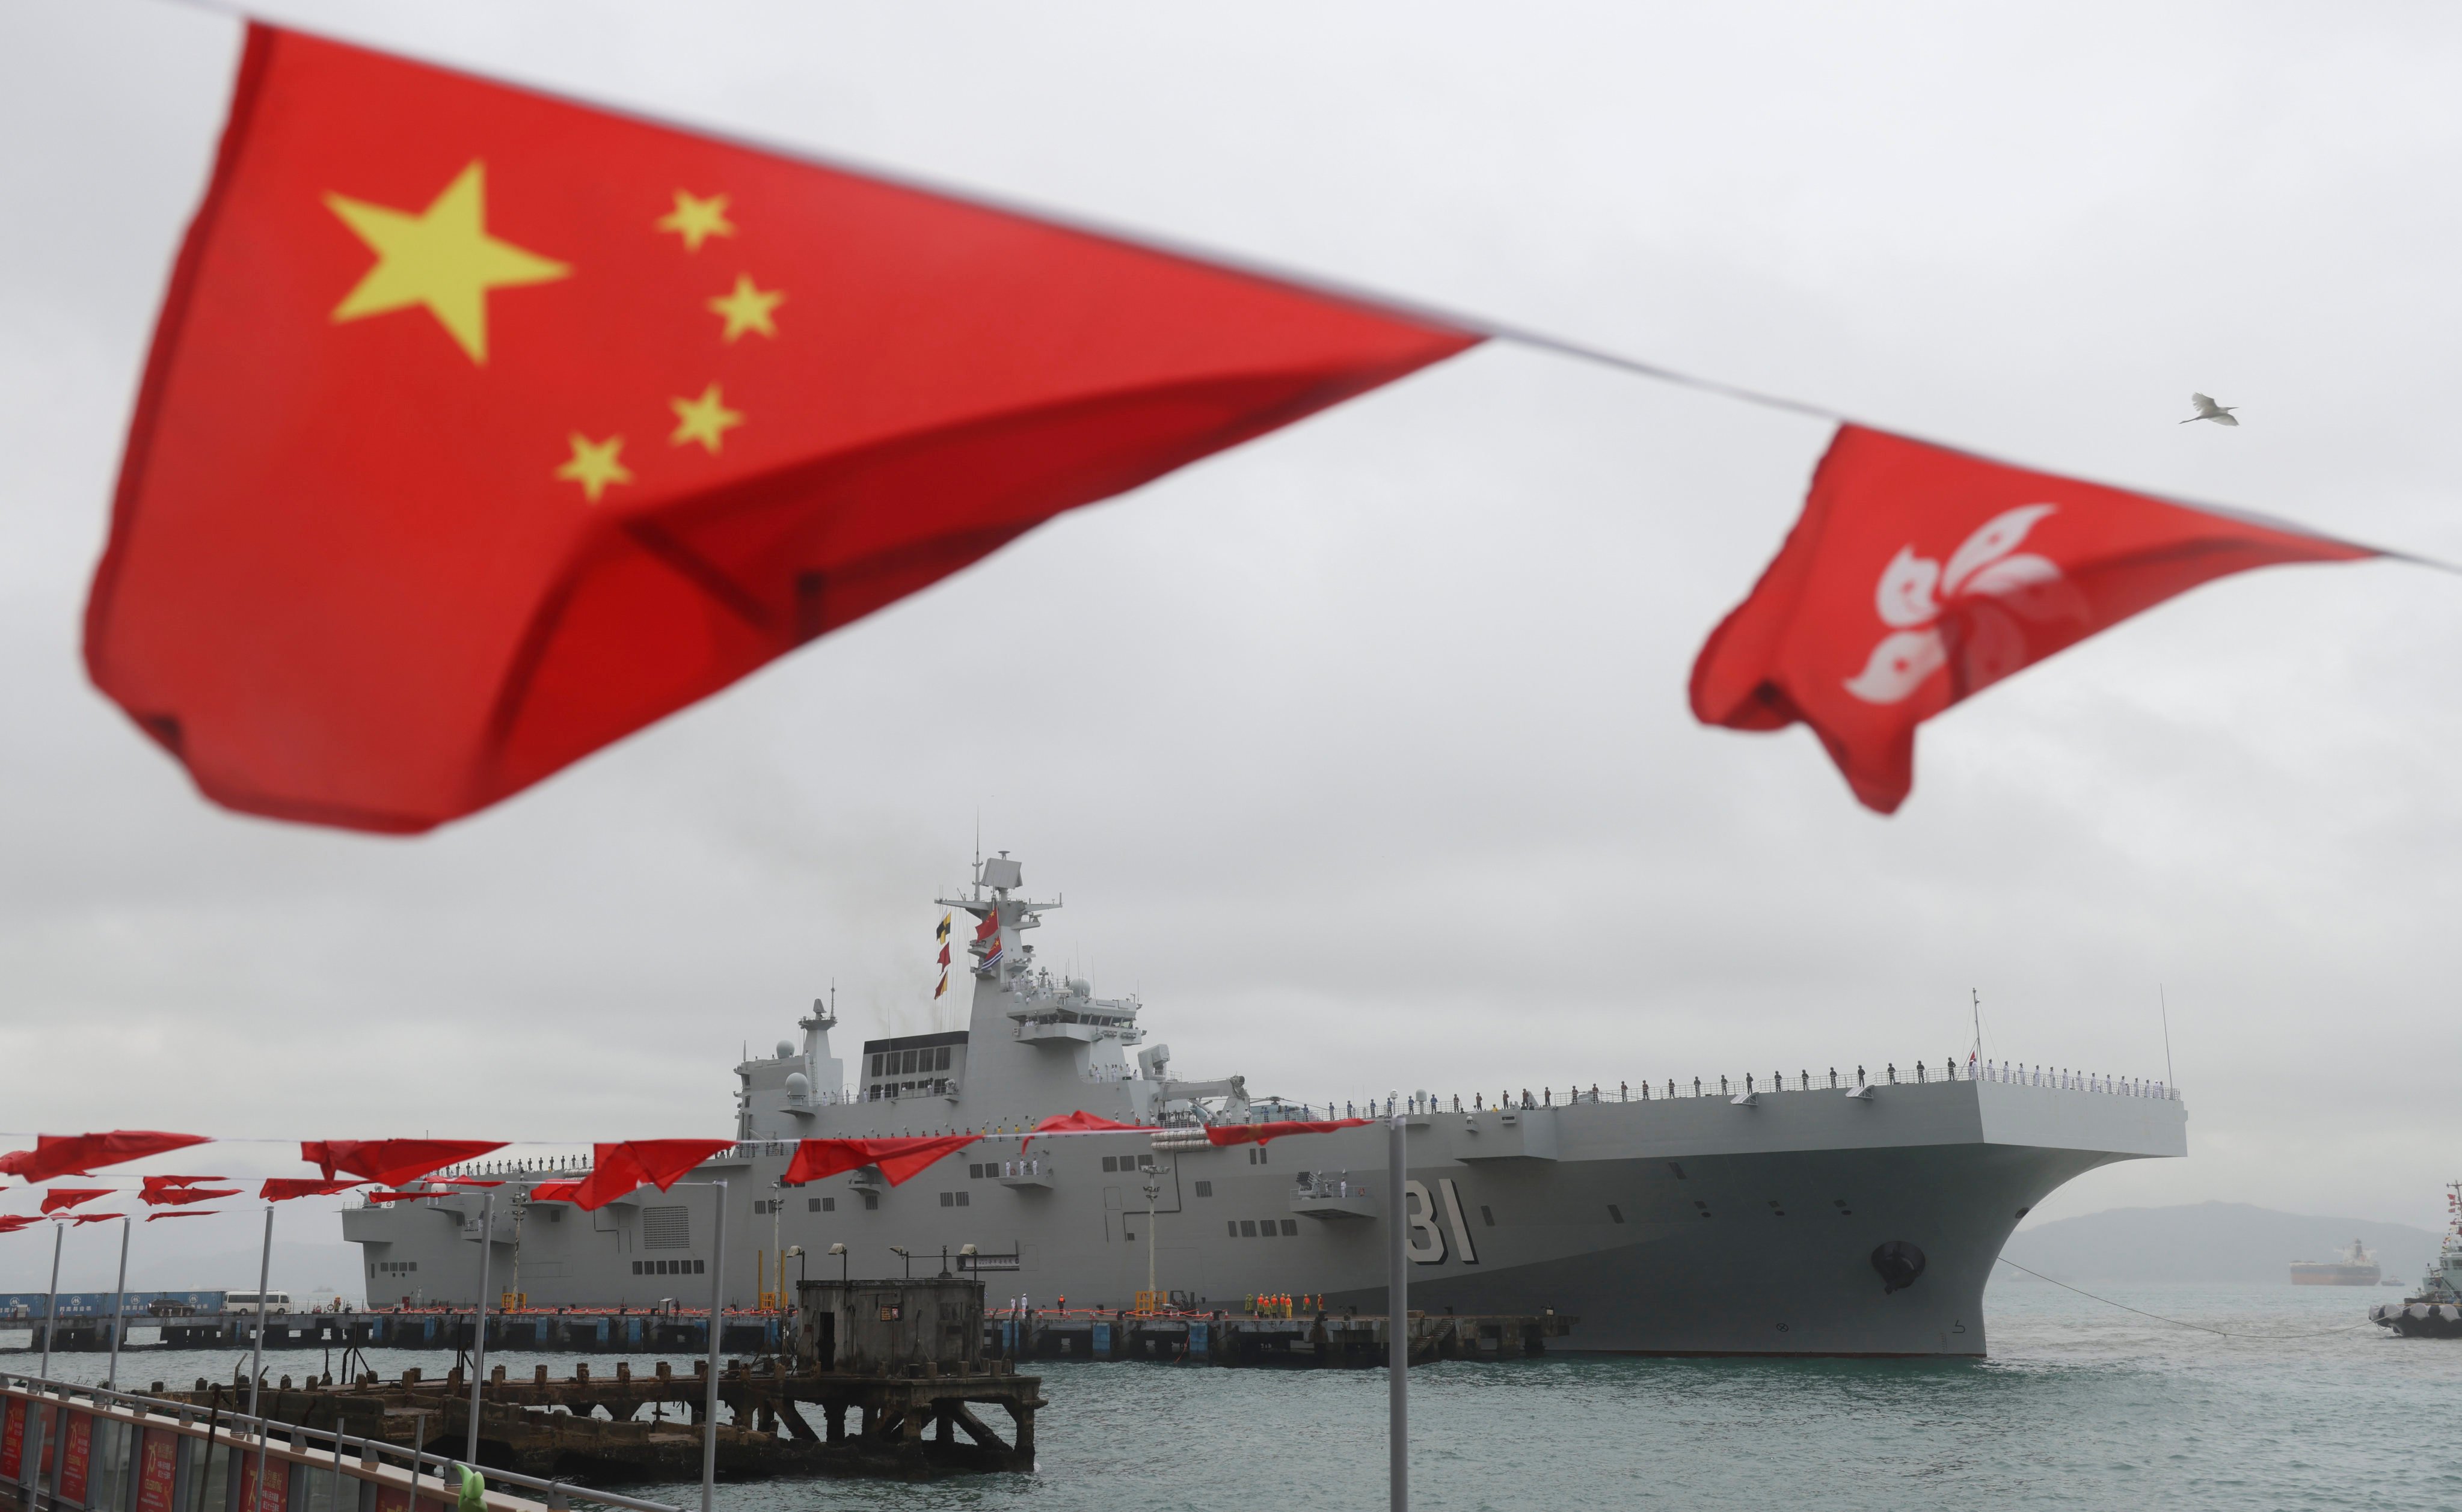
x=1793, y=1218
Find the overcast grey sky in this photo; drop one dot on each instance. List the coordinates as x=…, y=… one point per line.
x=1362, y=751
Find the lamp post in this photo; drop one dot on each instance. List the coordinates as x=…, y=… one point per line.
x=1398, y=1324
x=840, y=1251
x=717, y=1330
x=479, y=1335
x=907, y=1258
x=1153, y=1190
x=118, y=1309
x=795, y=1253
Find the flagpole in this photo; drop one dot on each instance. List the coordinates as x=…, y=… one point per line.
x=717, y=1326
x=1397, y=1323
x=119, y=1307
x=52, y=1303
x=479, y=1343
x=256, y=1357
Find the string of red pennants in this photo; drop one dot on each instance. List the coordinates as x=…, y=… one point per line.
x=617, y=1168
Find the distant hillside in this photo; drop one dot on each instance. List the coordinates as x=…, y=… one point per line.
x=2211, y=1241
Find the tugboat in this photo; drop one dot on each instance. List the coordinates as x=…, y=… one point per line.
x=2435, y=1312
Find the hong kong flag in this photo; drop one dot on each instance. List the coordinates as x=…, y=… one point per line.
x=482, y=429
x=1916, y=577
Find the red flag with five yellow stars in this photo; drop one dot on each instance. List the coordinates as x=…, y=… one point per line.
x=481, y=428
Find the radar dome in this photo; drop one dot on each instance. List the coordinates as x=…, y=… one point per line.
x=785, y=1050
x=799, y=1087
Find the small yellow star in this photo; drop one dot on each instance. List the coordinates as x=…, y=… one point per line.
x=747, y=308
x=594, y=464
x=705, y=420
x=695, y=220
x=442, y=257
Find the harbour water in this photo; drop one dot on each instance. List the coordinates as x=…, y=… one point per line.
x=2080, y=1405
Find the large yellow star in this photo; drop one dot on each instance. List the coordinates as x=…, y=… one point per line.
x=705, y=420
x=747, y=308
x=594, y=464
x=442, y=258
x=697, y=220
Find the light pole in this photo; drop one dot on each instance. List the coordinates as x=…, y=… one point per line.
x=717, y=1327
x=1398, y=1324
x=118, y=1309
x=479, y=1340
x=840, y=1251
x=1153, y=1190
x=256, y=1360
x=907, y=1258
x=52, y=1303
x=795, y=1253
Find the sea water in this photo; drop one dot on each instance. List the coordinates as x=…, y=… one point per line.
x=2080, y=1404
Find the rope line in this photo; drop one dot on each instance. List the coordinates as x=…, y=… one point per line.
x=2203, y=1327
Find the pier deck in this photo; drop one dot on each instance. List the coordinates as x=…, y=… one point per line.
x=617, y=1426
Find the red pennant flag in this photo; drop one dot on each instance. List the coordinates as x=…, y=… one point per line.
x=83, y=1218
x=555, y=1191
x=11, y=1222
x=183, y=1196
x=898, y=1158
x=482, y=429
x=1079, y=1122
x=201, y=1211
x=283, y=1188
x=1222, y=1135
x=400, y=1196
x=1918, y=576
x=390, y=1162
x=165, y=1184
x=942, y=989
x=66, y=1155
x=616, y=1169
x=944, y=955
x=60, y=1197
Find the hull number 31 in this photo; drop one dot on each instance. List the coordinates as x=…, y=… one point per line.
x=1427, y=1235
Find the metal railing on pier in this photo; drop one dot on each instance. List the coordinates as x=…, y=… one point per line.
x=107, y=1444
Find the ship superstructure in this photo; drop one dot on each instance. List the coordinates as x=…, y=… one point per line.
x=2434, y=1311
x=1792, y=1218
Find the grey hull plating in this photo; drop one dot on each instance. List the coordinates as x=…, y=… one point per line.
x=1684, y=1225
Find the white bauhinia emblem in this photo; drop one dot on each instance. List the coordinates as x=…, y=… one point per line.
x=1987, y=581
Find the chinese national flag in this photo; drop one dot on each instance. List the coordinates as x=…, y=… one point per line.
x=1916, y=577
x=482, y=429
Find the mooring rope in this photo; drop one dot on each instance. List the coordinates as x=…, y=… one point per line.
x=2182, y=1322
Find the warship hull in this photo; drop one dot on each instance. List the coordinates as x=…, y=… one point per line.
x=1690, y=1226
x=1814, y=1220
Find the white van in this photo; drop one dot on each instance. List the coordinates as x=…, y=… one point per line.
x=247, y=1301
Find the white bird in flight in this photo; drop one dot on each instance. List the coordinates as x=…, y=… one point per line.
x=2208, y=409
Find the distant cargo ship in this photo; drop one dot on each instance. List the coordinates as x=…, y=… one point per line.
x=2356, y=1268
